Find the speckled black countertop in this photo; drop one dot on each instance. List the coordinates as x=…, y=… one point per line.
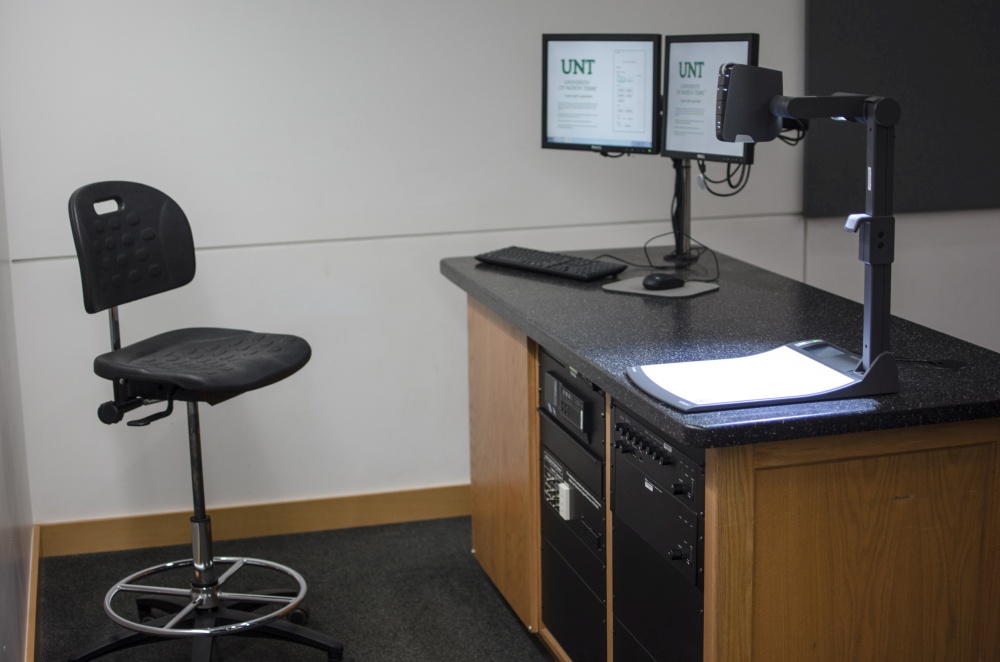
x=601, y=333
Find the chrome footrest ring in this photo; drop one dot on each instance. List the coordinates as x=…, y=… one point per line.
x=205, y=598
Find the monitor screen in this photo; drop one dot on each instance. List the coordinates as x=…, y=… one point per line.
x=601, y=92
x=690, y=81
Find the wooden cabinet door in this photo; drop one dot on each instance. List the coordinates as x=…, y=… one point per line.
x=503, y=438
x=873, y=546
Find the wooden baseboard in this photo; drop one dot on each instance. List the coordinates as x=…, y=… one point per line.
x=140, y=531
x=29, y=639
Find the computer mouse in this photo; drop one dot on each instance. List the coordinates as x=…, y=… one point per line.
x=660, y=280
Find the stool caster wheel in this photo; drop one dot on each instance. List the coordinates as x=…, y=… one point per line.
x=298, y=616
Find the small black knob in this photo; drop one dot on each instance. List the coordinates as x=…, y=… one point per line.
x=113, y=412
x=109, y=413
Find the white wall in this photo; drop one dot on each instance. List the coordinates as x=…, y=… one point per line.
x=312, y=120
x=328, y=155
x=15, y=499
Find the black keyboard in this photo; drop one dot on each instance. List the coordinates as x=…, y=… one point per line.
x=554, y=264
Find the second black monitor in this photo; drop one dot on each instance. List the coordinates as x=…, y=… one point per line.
x=690, y=80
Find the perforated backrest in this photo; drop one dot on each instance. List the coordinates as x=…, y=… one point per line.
x=132, y=241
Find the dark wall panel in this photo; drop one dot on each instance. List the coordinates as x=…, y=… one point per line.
x=939, y=60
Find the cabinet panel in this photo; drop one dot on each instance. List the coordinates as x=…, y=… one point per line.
x=503, y=440
x=879, y=545
x=871, y=559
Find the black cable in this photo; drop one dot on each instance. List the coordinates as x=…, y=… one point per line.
x=937, y=364
x=940, y=364
x=701, y=250
x=737, y=176
x=729, y=174
x=799, y=129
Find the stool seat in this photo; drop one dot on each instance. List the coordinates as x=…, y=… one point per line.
x=207, y=361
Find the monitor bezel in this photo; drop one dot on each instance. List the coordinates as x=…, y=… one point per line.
x=752, y=40
x=656, y=102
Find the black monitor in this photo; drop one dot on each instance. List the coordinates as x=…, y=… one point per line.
x=690, y=81
x=601, y=92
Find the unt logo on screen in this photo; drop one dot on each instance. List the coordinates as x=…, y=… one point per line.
x=690, y=69
x=585, y=67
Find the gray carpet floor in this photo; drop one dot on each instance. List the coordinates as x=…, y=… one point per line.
x=399, y=592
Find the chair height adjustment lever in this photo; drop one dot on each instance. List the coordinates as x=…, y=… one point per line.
x=142, y=422
x=113, y=412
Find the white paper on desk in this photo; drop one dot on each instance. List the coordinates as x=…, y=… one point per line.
x=779, y=373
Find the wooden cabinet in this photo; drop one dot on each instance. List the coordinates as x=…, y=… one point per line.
x=872, y=546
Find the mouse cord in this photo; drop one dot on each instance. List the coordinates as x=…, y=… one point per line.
x=698, y=250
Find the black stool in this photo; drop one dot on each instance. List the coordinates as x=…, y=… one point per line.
x=132, y=242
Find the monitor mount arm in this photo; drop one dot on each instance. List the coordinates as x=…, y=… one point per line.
x=876, y=227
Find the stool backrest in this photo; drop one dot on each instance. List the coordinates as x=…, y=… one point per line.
x=132, y=241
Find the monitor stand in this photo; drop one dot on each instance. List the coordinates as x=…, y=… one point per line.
x=680, y=218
